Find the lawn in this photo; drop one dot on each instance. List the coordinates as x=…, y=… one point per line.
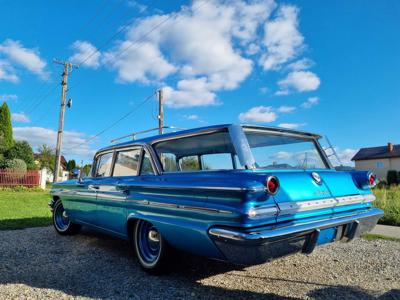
x=388, y=199
x=24, y=208
x=28, y=208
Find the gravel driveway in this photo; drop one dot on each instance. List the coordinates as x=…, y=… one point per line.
x=37, y=263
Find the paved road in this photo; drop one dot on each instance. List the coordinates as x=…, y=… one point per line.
x=390, y=231
x=37, y=263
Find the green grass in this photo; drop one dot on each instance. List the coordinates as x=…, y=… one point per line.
x=22, y=208
x=372, y=237
x=388, y=199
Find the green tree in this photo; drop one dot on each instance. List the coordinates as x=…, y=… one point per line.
x=6, y=133
x=22, y=150
x=46, y=157
x=71, y=164
x=86, y=170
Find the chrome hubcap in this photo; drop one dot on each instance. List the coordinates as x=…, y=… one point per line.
x=153, y=236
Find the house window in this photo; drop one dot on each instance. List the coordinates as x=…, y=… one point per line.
x=380, y=164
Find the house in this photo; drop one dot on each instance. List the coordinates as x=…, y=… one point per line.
x=63, y=165
x=378, y=159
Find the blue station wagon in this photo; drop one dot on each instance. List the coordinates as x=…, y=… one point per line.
x=239, y=193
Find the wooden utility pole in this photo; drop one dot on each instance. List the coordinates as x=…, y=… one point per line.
x=67, y=66
x=160, y=112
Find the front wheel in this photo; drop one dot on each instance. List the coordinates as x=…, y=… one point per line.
x=151, y=248
x=61, y=222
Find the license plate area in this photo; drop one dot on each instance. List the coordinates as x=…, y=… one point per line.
x=328, y=235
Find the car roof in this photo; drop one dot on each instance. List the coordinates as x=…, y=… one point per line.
x=185, y=132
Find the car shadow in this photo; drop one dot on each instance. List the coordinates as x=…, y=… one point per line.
x=94, y=265
x=11, y=224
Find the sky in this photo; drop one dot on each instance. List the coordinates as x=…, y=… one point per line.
x=328, y=67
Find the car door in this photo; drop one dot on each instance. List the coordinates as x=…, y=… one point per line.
x=81, y=200
x=111, y=204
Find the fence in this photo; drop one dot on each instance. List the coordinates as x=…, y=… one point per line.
x=10, y=178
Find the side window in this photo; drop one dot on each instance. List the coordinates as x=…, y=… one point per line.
x=189, y=163
x=127, y=163
x=218, y=161
x=104, y=165
x=147, y=168
x=168, y=161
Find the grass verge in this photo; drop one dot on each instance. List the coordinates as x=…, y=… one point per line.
x=388, y=199
x=372, y=237
x=24, y=208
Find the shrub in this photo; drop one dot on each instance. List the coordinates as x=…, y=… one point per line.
x=388, y=199
x=392, y=177
x=22, y=150
x=16, y=165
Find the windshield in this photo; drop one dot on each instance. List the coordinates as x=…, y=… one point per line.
x=275, y=151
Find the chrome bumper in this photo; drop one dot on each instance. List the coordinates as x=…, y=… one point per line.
x=259, y=245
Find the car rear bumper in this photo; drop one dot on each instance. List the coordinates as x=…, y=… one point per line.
x=258, y=245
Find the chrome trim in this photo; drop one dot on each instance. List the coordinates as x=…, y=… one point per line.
x=206, y=188
x=263, y=211
x=300, y=206
x=300, y=229
x=183, y=207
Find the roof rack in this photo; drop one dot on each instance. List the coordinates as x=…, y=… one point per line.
x=134, y=134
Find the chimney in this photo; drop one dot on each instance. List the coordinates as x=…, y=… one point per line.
x=390, y=147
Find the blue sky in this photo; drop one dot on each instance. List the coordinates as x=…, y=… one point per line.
x=326, y=67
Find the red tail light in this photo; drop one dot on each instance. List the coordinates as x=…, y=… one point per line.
x=372, y=180
x=272, y=185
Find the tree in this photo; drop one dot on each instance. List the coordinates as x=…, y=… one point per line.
x=22, y=150
x=86, y=170
x=6, y=133
x=46, y=157
x=71, y=164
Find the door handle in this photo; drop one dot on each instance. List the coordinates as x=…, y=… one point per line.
x=93, y=187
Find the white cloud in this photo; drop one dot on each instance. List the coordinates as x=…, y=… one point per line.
x=37, y=136
x=286, y=109
x=290, y=125
x=191, y=117
x=301, y=64
x=344, y=155
x=262, y=114
x=301, y=81
x=282, y=38
x=206, y=39
x=142, y=64
x=27, y=58
x=190, y=93
x=312, y=101
x=20, y=117
x=8, y=97
x=7, y=72
x=85, y=54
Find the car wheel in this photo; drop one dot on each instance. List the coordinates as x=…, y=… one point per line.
x=61, y=222
x=151, y=248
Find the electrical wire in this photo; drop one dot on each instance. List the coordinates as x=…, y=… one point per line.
x=114, y=123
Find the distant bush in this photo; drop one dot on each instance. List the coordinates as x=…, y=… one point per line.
x=392, y=177
x=22, y=150
x=17, y=165
x=388, y=199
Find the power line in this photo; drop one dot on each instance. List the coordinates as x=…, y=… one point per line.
x=141, y=40
x=115, y=35
x=114, y=123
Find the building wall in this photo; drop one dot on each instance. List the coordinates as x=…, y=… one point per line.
x=379, y=166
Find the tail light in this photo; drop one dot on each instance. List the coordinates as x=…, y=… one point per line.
x=372, y=180
x=272, y=185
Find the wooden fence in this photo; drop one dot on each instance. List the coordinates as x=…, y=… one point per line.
x=10, y=178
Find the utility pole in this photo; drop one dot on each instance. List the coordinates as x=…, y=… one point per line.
x=160, y=112
x=67, y=66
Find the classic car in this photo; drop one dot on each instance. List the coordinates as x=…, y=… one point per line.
x=240, y=193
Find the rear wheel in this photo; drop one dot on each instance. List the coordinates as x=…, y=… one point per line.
x=61, y=221
x=151, y=248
